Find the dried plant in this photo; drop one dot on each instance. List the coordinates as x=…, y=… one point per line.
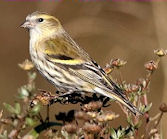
x=90, y=120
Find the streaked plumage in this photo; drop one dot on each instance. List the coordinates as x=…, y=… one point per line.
x=59, y=59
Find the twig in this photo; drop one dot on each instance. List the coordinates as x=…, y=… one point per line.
x=40, y=118
x=158, y=121
x=47, y=112
x=155, y=117
x=123, y=109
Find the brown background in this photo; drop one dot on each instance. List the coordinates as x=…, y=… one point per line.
x=127, y=30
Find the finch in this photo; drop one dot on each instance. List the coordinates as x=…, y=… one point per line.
x=61, y=61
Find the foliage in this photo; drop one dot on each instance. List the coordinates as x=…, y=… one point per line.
x=91, y=120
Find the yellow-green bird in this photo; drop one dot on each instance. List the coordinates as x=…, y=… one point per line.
x=60, y=60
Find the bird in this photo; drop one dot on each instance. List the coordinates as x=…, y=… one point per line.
x=65, y=64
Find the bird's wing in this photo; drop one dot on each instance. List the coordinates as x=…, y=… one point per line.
x=65, y=52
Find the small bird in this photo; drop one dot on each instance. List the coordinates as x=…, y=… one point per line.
x=61, y=61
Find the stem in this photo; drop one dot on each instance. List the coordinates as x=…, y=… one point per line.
x=158, y=121
x=47, y=116
x=124, y=110
x=155, y=117
x=40, y=118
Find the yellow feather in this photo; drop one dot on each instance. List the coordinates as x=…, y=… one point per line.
x=68, y=62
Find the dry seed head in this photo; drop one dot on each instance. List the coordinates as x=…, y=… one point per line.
x=44, y=97
x=70, y=128
x=92, y=114
x=131, y=88
x=108, y=116
x=108, y=69
x=118, y=63
x=142, y=82
x=160, y=52
x=163, y=107
x=26, y=65
x=92, y=106
x=151, y=66
x=91, y=128
x=82, y=115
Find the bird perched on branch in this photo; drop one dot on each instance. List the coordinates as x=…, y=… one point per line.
x=60, y=60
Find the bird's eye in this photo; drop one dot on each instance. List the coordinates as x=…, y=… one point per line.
x=40, y=20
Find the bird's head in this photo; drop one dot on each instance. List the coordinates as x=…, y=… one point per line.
x=42, y=23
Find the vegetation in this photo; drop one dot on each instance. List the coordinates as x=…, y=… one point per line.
x=91, y=120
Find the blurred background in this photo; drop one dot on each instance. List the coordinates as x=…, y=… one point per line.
x=105, y=29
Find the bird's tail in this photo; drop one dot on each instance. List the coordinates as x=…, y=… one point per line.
x=120, y=98
x=130, y=106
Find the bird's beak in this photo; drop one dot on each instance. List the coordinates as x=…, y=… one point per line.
x=27, y=24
